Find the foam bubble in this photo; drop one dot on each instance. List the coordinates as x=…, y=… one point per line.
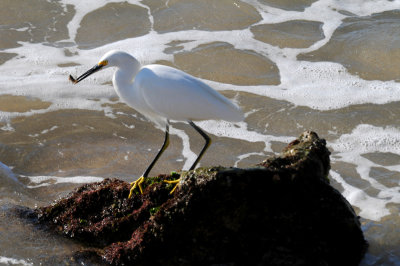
x=12, y=261
x=45, y=131
x=368, y=138
x=370, y=207
x=362, y=7
x=349, y=148
x=187, y=153
x=52, y=180
x=319, y=85
x=240, y=131
x=247, y=155
x=229, y=130
x=82, y=8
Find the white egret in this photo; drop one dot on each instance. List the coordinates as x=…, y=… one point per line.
x=163, y=93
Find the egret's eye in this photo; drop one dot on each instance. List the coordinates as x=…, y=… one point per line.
x=103, y=63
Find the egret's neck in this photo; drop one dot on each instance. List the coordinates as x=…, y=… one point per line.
x=124, y=76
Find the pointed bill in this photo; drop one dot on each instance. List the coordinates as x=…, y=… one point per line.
x=86, y=74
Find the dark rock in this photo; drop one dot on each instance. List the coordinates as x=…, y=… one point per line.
x=281, y=212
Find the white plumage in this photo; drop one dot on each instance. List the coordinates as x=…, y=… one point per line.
x=160, y=92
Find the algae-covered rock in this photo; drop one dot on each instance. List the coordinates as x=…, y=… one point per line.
x=281, y=212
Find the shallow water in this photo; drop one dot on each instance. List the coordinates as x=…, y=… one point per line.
x=322, y=65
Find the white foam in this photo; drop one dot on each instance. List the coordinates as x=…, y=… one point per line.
x=52, y=180
x=83, y=8
x=368, y=138
x=128, y=126
x=318, y=85
x=370, y=207
x=362, y=7
x=45, y=131
x=229, y=130
x=247, y=155
x=12, y=261
x=240, y=131
x=349, y=148
x=7, y=127
x=187, y=153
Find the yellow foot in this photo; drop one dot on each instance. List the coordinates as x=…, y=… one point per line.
x=176, y=181
x=134, y=184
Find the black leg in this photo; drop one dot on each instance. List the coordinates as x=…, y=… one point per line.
x=163, y=148
x=206, y=145
x=140, y=180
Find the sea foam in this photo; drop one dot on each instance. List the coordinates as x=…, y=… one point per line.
x=349, y=148
x=52, y=180
x=12, y=261
x=35, y=72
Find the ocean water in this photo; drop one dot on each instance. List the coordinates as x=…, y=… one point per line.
x=331, y=66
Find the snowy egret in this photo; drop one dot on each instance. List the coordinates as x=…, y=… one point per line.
x=163, y=93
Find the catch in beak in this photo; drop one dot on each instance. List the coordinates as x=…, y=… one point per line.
x=88, y=73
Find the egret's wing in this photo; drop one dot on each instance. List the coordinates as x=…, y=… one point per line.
x=179, y=96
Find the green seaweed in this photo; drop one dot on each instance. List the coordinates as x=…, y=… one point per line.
x=154, y=210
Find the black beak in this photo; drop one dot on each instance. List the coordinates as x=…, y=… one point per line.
x=86, y=74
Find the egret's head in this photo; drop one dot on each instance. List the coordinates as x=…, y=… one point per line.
x=116, y=58
x=111, y=58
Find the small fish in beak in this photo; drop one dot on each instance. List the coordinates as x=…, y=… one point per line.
x=88, y=73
